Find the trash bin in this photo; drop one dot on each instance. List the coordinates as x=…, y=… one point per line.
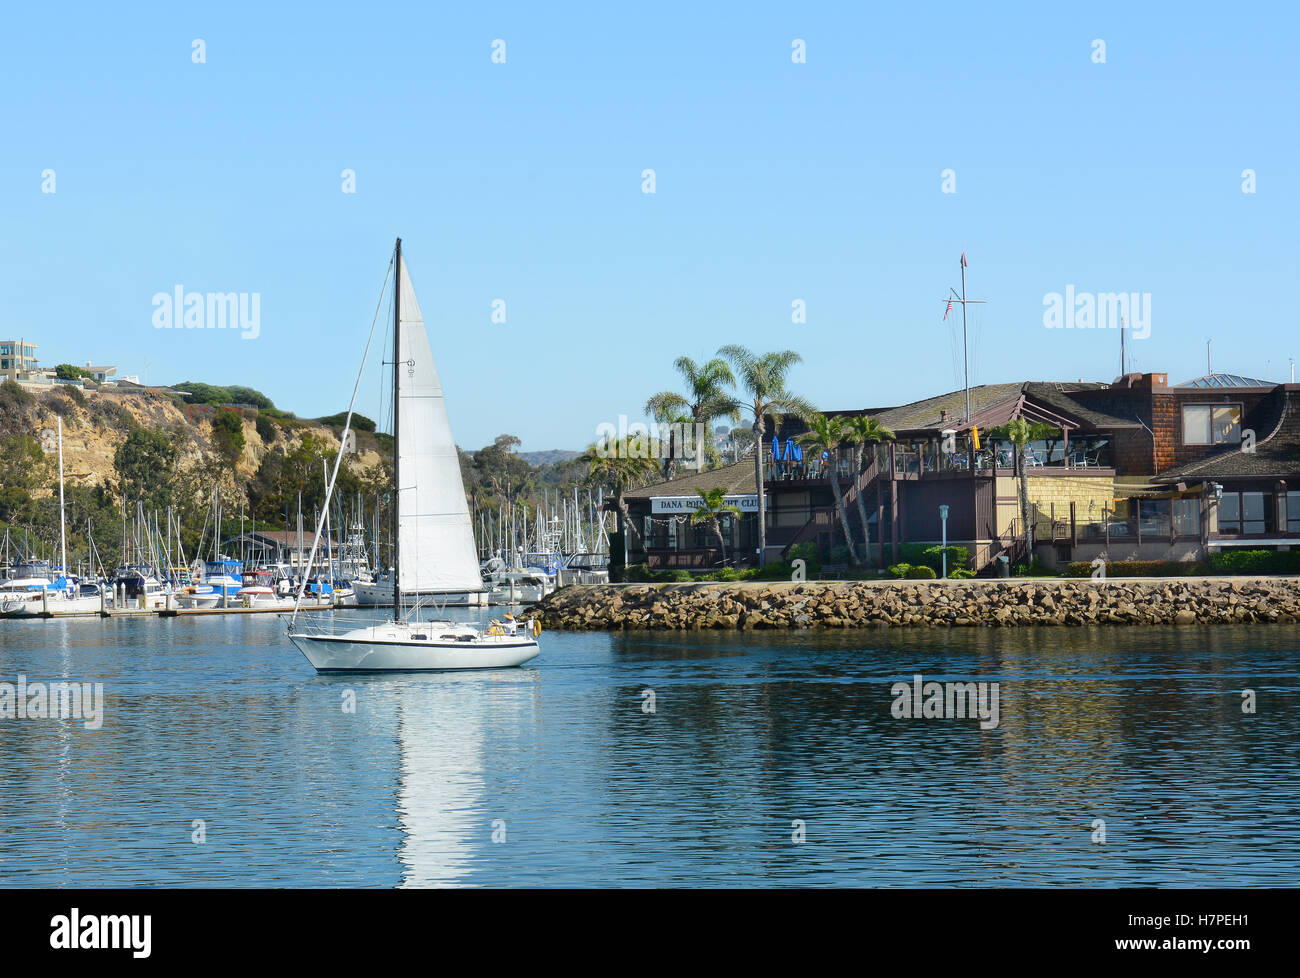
x=1004, y=565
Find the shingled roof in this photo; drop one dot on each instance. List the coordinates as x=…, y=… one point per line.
x=925, y=415
x=736, y=479
x=1276, y=455
x=995, y=404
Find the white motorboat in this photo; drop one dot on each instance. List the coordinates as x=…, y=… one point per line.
x=198, y=596
x=518, y=587
x=433, y=539
x=379, y=593
x=54, y=601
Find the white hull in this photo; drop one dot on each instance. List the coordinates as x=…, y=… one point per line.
x=193, y=601
x=379, y=594
x=526, y=594
x=56, y=606
x=414, y=647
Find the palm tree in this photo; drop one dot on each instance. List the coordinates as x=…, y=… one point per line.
x=671, y=416
x=858, y=432
x=1018, y=432
x=713, y=507
x=826, y=435
x=706, y=398
x=762, y=377
x=613, y=465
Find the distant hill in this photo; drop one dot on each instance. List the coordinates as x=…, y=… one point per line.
x=545, y=458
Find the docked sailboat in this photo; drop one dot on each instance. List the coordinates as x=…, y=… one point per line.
x=433, y=539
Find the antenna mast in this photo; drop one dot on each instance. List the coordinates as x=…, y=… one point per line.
x=965, y=354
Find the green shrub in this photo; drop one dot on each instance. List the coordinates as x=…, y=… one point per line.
x=957, y=557
x=1035, y=568
x=899, y=570
x=780, y=571
x=922, y=572
x=1255, y=562
x=932, y=556
x=267, y=429
x=14, y=399
x=912, y=553
x=1140, y=568
x=228, y=434
x=60, y=405
x=807, y=552
x=359, y=421
x=839, y=555
x=961, y=574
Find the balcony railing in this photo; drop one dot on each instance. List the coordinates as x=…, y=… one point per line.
x=915, y=462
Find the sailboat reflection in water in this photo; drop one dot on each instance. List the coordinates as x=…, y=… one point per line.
x=433, y=539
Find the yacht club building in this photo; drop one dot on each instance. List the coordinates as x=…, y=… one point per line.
x=1132, y=469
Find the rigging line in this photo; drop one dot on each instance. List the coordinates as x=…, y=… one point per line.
x=347, y=426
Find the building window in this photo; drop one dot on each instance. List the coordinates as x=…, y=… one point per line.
x=1293, y=512
x=1243, y=512
x=1187, y=517
x=1211, y=424
x=788, y=509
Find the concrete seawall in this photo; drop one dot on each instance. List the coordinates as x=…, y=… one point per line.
x=968, y=603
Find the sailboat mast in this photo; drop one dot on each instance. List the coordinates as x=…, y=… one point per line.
x=397, y=475
x=63, y=538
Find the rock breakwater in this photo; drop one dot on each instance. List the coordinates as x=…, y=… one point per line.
x=877, y=604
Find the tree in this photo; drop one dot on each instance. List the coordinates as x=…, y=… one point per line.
x=359, y=421
x=826, y=435
x=1018, y=432
x=23, y=467
x=615, y=466
x=713, y=506
x=146, y=466
x=674, y=418
x=499, y=468
x=66, y=371
x=228, y=435
x=23, y=464
x=860, y=431
x=762, y=378
x=706, y=400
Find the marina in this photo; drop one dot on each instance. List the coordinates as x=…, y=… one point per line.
x=1140, y=727
x=708, y=449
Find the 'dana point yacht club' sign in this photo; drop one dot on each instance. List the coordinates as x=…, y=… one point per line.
x=689, y=504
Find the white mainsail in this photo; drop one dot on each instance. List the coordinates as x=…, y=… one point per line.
x=435, y=537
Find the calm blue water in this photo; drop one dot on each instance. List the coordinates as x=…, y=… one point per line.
x=220, y=719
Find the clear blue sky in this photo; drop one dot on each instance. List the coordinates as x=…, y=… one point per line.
x=522, y=181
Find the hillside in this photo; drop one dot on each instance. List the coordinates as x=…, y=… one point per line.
x=96, y=423
x=548, y=457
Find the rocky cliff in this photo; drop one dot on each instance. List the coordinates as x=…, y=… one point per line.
x=96, y=424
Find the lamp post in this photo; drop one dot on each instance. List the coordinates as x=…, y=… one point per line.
x=943, y=516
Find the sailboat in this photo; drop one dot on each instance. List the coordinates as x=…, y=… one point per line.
x=433, y=539
x=34, y=596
